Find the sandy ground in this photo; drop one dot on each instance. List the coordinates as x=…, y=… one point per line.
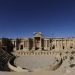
x=37, y=73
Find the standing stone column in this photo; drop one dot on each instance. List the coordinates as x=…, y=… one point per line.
x=55, y=44
x=23, y=45
x=34, y=43
x=49, y=44
x=62, y=44
x=19, y=47
x=69, y=44
x=40, y=44
x=15, y=45
x=28, y=44
x=59, y=44
x=46, y=44
x=65, y=45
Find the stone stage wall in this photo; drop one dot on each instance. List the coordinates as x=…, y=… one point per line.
x=24, y=53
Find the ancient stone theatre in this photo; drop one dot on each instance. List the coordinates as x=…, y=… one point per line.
x=37, y=42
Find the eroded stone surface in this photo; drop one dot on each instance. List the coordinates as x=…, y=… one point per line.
x=35, y=62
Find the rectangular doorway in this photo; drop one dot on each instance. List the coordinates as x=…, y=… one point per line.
x=21, y=47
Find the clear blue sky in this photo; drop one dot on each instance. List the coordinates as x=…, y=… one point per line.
x=20, y=18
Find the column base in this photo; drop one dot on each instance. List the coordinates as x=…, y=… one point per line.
x=26, y=49
x=45, y=48
x=49, y=48
x=33, y=48
x=14, y=49
x=40, y=48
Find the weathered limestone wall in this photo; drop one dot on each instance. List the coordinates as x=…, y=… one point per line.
x=56, y=43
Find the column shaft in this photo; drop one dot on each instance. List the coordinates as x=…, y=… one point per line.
x=33, y=43
x=49, y=44
x=40, y=44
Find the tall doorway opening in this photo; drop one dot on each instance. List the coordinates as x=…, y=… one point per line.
x=21, y=47
x=63, y=47
x=37, y=43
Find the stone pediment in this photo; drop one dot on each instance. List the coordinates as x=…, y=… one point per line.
x=37, y=34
